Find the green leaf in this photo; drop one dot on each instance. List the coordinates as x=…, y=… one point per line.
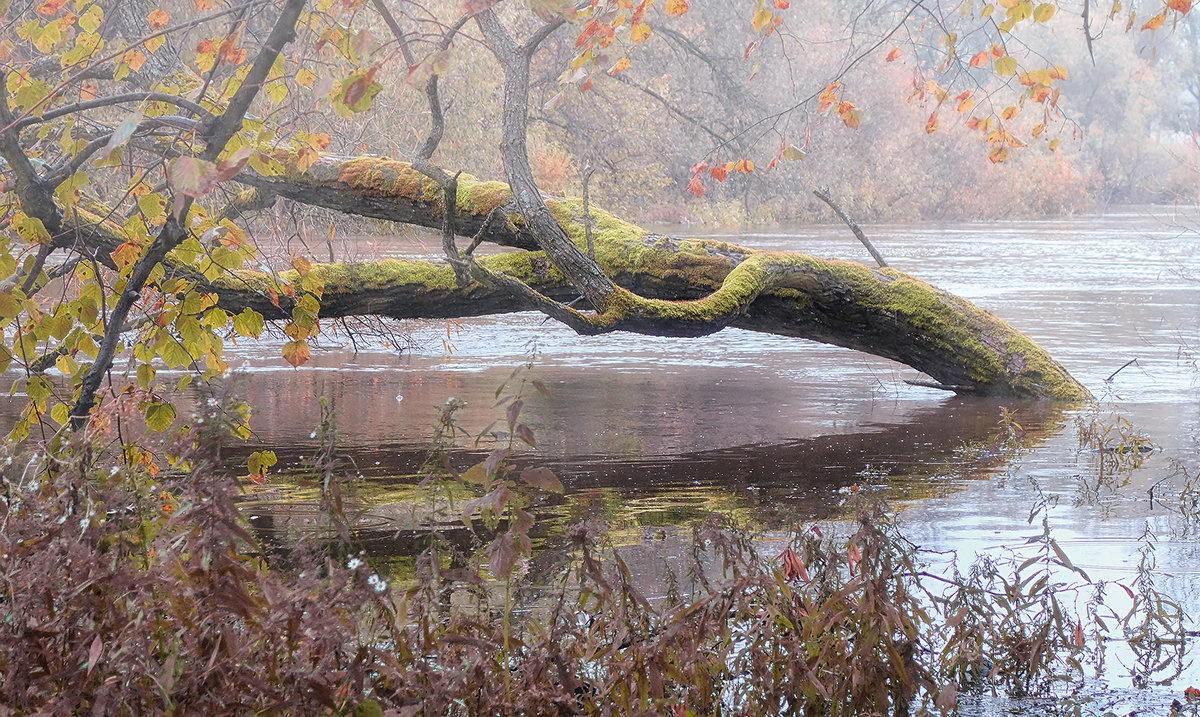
x=173, y=353
x=145, y=375
x=31, y=229
x=160, y=416
x=476, y=474
x=1043, y=12
x=153, y=206
x=1006, y=66
x=249, y=323
x=260, y=461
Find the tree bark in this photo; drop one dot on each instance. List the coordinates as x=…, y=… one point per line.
x=705, y=285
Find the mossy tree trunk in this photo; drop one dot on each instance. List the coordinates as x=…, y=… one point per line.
x=692, y=287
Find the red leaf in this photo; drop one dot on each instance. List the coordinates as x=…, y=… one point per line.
x=695, y=186
x=718, y=173
x=525, y=434
x=1181, y=7
x=474, y=7
x=893, y=54
x=698, y=167
x=979, y=59
x=356, y=90
x=543, y=478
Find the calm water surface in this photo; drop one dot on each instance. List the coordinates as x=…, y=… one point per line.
x=651, y=434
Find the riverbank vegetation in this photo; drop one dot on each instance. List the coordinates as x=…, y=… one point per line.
x=126, y=589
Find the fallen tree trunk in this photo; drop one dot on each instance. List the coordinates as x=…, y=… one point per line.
x=695, y=286
x=878, y=311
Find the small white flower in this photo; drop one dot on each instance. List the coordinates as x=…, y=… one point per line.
x=377, y=583
x=212, y=402
x=84, y=523
x=354, y=564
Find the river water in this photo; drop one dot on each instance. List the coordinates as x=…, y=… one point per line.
x=651, y=434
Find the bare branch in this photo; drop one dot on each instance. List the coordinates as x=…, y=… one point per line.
x=823, y=194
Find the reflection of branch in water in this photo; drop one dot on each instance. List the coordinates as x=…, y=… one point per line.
x=775, y=486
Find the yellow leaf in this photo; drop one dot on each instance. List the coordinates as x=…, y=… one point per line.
x=1009, y=112
x=1043, y=12
x=639, y=32
x=761, y=19
x=305, y=77
x=998, y=154
x=1053, y=144
x=1006, y=66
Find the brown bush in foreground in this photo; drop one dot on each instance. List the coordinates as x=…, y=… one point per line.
x=124, y=593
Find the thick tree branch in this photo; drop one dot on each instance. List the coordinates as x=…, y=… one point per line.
x=663, y=286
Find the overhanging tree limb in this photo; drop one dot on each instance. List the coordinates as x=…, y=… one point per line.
x=216, y=135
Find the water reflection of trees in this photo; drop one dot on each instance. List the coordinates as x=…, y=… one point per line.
x=770, y=487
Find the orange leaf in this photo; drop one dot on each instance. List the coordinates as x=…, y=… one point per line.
x=892, y=54
x=695, y=186
x=1181, y=7
x=998, y=154
x=979, y=59
x=1155, y=22
x=718, y=173
x=744, y=166
x=296, y=352
x=1009, y=112
x=931, y=124
x=135, y=59
x=782, y=4
x=50, y=7
x=675, y=8
x=997, y=51
x=158, y=18
x=621, y=65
